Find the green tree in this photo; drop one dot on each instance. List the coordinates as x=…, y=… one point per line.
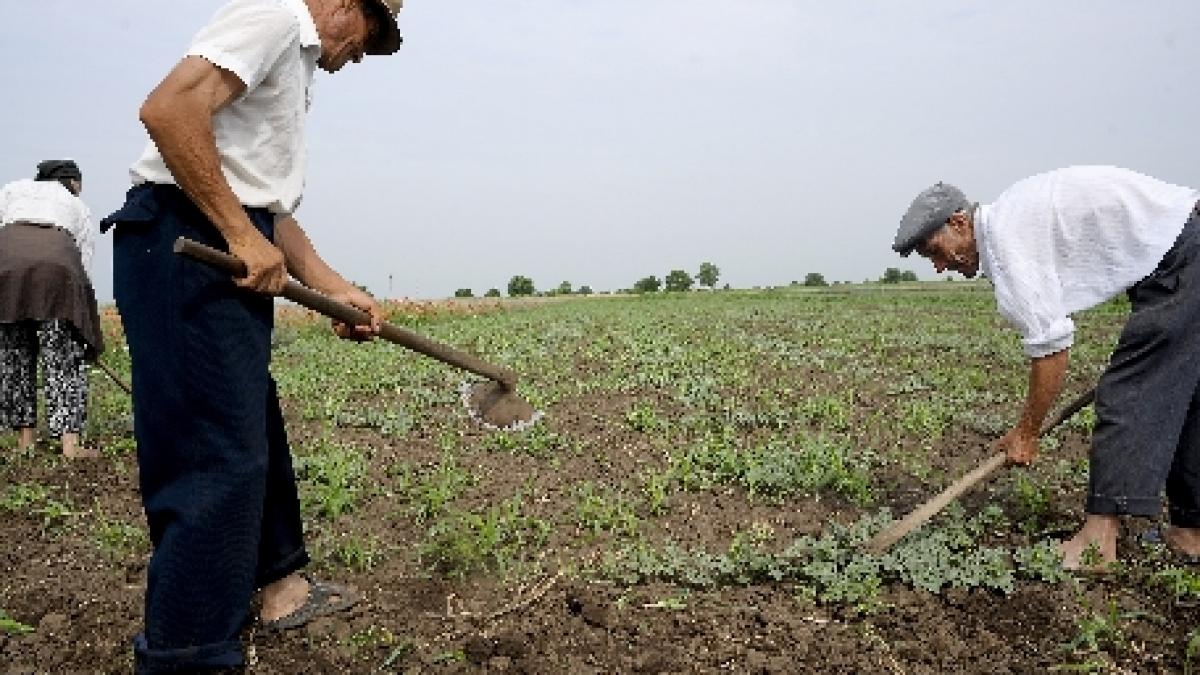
x=649, y=284
x=708, y=275
x=492, y=293
x=891, y=275
x=908, y=275
x=815, y=279
x=584, y=290
x=519, y=285
x=678, y=280
x=564, y=288
x=464, y=293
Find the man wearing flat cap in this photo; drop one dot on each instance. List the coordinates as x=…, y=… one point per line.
x=225, y=166
x=1061, y=242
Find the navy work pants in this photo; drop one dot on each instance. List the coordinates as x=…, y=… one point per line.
x=215, y=470
x=1147, y=433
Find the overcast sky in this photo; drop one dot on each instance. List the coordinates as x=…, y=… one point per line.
x=601, y=141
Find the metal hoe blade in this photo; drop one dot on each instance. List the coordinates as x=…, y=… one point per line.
x=498, y=407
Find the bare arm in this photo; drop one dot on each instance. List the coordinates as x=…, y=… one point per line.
x=307, y=266
x=303, y=262
x=178, y=116
x=1045, y=381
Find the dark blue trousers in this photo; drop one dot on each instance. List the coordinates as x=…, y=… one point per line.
x=215, y=469
x=1147, y=435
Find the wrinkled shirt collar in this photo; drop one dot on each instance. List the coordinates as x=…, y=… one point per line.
x=309, y=37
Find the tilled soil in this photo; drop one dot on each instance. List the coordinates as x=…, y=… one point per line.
x=80, y=589
x=85, y=608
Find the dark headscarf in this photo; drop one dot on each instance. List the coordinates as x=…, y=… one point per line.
x=61, y=170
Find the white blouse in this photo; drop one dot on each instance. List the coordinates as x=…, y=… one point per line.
x=49, y=203
x=1063, y=241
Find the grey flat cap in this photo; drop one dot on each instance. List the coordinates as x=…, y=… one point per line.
x=929, y=211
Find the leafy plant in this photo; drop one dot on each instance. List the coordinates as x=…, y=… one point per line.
x=332, y=476
x=1183, y=583
x=1033, y=501
x=431, y=491
x=463, y=541
x=118, y=539
x=11, y=626
x=641, y=417
x=775, y=471
x=1191, y=650
x=1098, y=631
x=827, y=410
x=370, y=638
x=672, y=603
x=23, y=496
x=926, y=418
x=54, y=514
x=656, y=489
x=1042, y=561
x=358, y=553
x=599, y=511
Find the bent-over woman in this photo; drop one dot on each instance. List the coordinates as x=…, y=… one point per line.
x=47, y=304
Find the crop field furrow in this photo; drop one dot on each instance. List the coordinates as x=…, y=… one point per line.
x=696, y=499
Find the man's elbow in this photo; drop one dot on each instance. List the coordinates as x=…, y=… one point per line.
x=151, y=114
x=157, y=113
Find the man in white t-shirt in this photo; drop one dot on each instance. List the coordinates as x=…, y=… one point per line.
x=225, y=166
x=1066, y=240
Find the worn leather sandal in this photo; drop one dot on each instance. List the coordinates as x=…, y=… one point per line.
x=324, y=598
x=1154, y=538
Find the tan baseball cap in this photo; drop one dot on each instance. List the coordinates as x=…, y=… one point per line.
x=388, y=40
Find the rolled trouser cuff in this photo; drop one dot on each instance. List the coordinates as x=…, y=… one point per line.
x=1180, y=517
x=289, y=565
x=186, y=659
x=1107, y=505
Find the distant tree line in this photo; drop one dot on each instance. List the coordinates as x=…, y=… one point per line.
x=675, y=281
x=679, y=281
x=893, y=275
x=522, y=286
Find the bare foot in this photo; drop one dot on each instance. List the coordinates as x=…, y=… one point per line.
x=27, y=438
x=1185, y=540
x=73, y=450
x=1094, y=547
x=283, y=597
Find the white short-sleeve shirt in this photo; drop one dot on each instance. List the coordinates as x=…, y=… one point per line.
x=1063, y=241
x=272, y=46
x=49, y=203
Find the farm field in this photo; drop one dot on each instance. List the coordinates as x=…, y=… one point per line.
x=693, y=501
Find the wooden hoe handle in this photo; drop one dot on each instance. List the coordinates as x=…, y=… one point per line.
x=307, y=297
x=885, y=539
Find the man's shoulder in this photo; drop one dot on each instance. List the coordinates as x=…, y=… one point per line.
x=266, y=8
x=14, y=184
x=1083, y=175
x=246, y=37
x=1032, y=192
x=246, y=15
